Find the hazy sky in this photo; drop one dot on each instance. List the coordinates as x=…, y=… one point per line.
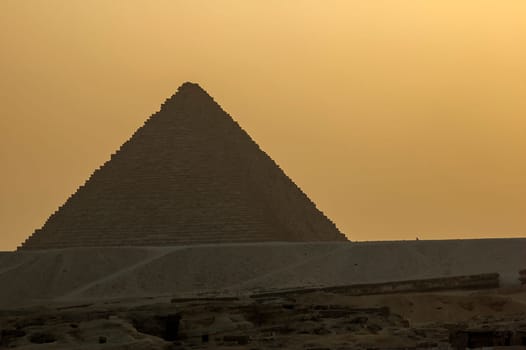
x=398, y=118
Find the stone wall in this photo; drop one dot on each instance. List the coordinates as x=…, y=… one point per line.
x=470, y=282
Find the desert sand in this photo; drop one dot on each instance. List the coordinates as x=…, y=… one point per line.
x=75, y=274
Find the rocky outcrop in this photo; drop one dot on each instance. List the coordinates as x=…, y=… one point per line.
x=314, y=320
x=470, y=282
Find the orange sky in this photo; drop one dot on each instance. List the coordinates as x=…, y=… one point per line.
x=398, y=118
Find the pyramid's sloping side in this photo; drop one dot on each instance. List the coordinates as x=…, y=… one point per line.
x=189, y=175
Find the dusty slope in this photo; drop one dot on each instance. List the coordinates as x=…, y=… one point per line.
x=76, y=274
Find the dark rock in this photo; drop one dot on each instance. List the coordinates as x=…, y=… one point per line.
x=279, y=329
x=165, y=326
x=42, y=338
x=480, y=338
x=374, y=328
x=321, y=331
x=30, y=322
x=333, y=313
x=7, y=335
x=103, y=340
x=359, y=320
x=427, y=345
x=239, y=339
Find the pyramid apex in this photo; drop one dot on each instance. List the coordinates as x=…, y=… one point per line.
x=188, y=85
x=186, y=89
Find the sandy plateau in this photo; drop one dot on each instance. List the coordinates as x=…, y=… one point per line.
x=267, y=295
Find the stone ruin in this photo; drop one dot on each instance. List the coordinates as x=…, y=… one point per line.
x=189, y=175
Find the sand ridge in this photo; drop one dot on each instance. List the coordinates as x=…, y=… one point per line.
x=231, y=269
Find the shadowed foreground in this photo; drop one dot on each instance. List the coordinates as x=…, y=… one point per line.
x=314, y=320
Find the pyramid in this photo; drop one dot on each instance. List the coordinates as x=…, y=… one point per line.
x=189, y=175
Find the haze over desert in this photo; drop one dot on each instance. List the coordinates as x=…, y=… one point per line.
x=190, y=236
x=263, y=175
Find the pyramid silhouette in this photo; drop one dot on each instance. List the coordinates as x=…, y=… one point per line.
x=189, y=175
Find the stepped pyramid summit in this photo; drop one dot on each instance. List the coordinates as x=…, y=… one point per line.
x=189, y=175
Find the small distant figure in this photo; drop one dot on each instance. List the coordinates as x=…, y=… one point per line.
x=417, y=238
